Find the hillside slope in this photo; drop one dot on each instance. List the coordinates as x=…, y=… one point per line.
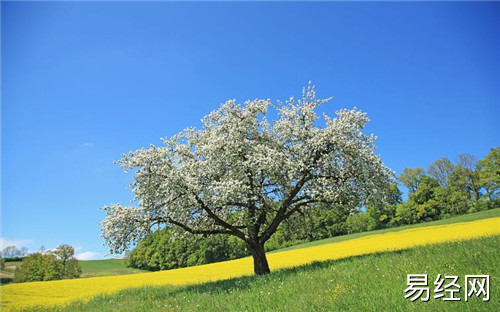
x=62, y=292
x=374, y=282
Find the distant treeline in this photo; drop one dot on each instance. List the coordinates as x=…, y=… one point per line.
x=13, y=253
x=445, y=189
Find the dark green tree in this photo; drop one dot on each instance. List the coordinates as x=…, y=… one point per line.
x=31, y=269
x=161, y=251
x=424, y=199
x=58, y=264
x=467, y=169
x=452, y=201
x=405, y=213
x=360, y=222
x=69, y=265
x=411, y=178
x=383, y=213
x=489, y=173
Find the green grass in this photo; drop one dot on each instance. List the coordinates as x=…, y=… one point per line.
x=366, y=283
x=92, y=268
x=463, y=218
x=11, y=266
x=7, y=274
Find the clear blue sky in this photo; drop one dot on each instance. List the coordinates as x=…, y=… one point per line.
x=84, y=82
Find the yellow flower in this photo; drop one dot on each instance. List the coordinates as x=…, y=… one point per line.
x=57, y=293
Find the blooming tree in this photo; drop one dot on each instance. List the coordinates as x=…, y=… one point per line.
x=243, y=175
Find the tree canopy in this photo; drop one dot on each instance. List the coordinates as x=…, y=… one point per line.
x=489, y=173
x=243, y=175
x=46, y=266
x=441, y=170
x=411, y=178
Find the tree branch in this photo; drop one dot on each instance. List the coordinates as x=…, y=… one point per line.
x=218, y=220
x=191, y=230
x=297, y=207
x=280, y=215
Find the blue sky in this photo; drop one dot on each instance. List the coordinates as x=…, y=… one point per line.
x=84, y=82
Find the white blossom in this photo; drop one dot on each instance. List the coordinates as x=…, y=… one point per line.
x=242, y=174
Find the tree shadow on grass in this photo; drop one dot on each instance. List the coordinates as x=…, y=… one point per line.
x=247, y=282
x=237, y=284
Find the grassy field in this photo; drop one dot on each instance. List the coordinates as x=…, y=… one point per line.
x=7, y=273
x=59, y=293
x=108, y=267
x=373, y=282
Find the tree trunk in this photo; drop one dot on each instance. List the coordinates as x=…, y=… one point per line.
x=260, y=265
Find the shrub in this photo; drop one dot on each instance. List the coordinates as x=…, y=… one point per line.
x=360, y=222
x=59, y=264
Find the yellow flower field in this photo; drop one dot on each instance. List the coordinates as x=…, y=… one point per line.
x=18, y=296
